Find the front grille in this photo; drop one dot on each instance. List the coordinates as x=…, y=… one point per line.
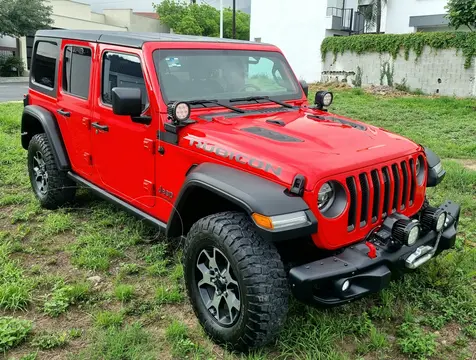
x=379, y=192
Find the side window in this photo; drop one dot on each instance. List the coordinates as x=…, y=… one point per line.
x=122, y=70
x=44, y=67
x=77, y=70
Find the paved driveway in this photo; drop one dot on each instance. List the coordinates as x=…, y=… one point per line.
x=12, y=91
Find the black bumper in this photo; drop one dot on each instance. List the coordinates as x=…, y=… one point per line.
x=320, y=282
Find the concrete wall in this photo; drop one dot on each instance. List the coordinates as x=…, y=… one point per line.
x=399, y=12
x=8, y=42
x=440, y=72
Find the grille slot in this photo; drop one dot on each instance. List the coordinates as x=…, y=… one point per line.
x=351, y=186
x=375, y=194
x=412, y=181
x=396, y=181
x=406, y=183
x=364, y=211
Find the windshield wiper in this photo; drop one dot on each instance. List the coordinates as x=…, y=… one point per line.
x=216, y=102
x=257, y=98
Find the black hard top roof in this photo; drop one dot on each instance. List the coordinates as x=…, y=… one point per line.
x=131, y=39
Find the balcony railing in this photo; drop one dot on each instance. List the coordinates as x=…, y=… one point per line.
x=348, y=20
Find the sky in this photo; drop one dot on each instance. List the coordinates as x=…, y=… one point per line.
x=146, y=5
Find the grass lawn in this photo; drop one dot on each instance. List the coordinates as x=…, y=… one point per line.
x=91, y=282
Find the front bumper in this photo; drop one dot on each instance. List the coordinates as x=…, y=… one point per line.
x=320, y=282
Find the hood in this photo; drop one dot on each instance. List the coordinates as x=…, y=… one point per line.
x=288, y=142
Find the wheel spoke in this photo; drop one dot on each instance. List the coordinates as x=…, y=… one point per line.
x=228, y=276
x=232, y=301
x=206, y=280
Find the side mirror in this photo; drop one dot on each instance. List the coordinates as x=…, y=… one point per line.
x=305, y=87
x=126, y=101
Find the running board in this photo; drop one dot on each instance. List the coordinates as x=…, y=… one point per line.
x=116, y=201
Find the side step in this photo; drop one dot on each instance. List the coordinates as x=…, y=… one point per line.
x=115, y=200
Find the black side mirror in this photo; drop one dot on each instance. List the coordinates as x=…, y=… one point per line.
x=305, y=87
x=126, y=101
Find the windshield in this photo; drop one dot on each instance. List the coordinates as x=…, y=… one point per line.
x=224, y=75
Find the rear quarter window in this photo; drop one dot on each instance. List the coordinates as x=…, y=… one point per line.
x=44, y=68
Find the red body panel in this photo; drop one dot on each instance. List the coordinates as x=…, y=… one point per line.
x=125, y=160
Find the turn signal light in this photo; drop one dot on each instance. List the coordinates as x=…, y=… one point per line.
x=263, y=221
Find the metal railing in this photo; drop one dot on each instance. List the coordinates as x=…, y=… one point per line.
x=350, y=20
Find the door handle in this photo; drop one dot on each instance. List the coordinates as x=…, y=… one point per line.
x=63, y=112
x=100, y=127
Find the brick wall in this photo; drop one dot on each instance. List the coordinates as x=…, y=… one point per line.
x=434, y=72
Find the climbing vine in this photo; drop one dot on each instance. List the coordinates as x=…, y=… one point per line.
x=393, y=43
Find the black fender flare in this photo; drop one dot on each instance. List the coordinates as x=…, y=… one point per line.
x=249, y=192
x=33, y=118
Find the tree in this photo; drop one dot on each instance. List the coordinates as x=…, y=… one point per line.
x=462, y=13
x=201, y=19
x=373, y=13
x=22, y=17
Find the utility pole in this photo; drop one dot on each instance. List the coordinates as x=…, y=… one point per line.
x=234, y=19
x=221, y=19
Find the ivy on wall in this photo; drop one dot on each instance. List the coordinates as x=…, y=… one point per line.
x=393, y=43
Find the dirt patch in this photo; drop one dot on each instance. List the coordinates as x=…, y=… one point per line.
x=469, y=164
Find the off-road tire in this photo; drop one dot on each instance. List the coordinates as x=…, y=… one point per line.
x=60, y=190
x=259, y=272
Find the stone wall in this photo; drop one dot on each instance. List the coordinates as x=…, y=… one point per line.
x=434, y=72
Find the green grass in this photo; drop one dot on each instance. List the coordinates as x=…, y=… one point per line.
x=13, y=331
x=129, y=343
x=106, y=319
x=124, y=292
x=133, y=312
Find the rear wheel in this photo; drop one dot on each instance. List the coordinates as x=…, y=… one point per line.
x=50, y=185
x=235, y=281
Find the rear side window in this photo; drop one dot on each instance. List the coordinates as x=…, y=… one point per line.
x=77, y=70
x=44, y=66
x=122, y=70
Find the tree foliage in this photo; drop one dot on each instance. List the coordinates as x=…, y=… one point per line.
x=23, y=17
x=201, y=19
x=462, y=13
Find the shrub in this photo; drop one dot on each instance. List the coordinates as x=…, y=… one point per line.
x=11, y=66
x=12, y=332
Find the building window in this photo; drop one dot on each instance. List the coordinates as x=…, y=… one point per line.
x=77, y=70
x=122, y=70
x=44, y=67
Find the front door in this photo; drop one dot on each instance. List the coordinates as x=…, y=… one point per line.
x=74, y=102
x=123, y=151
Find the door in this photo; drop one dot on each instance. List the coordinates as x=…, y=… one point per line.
x=123, y=151
x=74, y=102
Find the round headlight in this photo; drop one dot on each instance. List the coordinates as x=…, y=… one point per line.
x=327, y=100
x=433, y=218
x=179, y=111
x=323, y=99
x=406, y=231
x=326, y=196
x=413, y=235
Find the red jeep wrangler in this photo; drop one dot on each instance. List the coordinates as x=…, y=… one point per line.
x=213, y=140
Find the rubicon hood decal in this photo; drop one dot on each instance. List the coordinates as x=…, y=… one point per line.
x=234, y=155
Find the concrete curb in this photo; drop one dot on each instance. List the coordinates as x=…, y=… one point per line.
x=10, y=80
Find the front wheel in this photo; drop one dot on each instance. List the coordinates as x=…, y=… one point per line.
x=235, y=281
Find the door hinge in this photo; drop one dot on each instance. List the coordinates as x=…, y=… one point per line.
x=149, y=145
x=88, y=158
x=149, y=187
x=87, y=122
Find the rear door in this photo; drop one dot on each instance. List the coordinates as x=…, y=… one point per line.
x=123, y=151
x=74, y=103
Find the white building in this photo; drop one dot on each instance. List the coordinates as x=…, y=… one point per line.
x=73, y=15
x=298, y=27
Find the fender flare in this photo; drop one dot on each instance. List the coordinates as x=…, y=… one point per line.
x=249, y=192
x=48, y=123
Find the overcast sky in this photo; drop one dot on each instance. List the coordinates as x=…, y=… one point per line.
x=146, y=5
